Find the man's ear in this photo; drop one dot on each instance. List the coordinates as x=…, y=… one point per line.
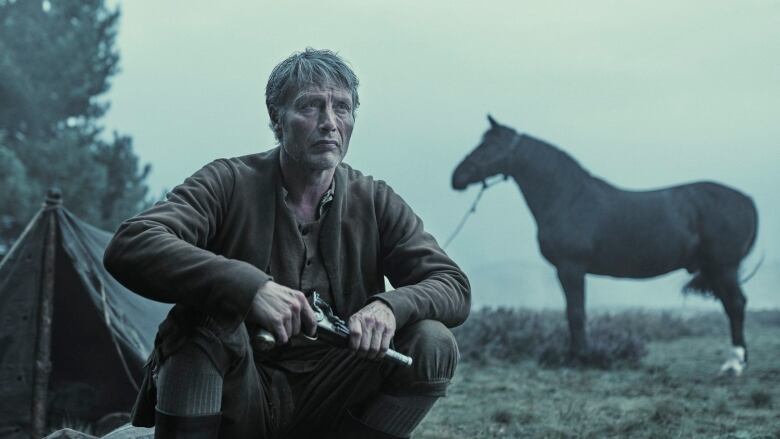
x=273, y=113
x=276, y=124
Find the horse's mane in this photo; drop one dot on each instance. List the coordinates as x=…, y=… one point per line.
x=551, y=160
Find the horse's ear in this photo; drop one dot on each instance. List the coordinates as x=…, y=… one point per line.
x=493, y=123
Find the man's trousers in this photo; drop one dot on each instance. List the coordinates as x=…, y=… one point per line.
x=305, y=387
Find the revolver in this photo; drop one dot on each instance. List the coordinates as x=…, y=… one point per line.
x=334, y=331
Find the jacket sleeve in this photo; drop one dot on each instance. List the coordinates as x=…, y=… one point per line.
x=428, y=284
x=162, y=253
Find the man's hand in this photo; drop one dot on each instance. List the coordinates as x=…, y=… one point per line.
x=371, y=330
x=283, y=311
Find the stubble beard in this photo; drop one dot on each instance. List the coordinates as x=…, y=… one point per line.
x=316, y=162
x=322, y=163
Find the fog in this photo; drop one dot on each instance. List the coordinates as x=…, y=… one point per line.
x=642, y=94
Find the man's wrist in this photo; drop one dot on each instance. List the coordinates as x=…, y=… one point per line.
x=396, y=305
x=263, y=285
x=380, y=301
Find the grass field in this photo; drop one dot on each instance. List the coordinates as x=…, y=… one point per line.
x=673, y=390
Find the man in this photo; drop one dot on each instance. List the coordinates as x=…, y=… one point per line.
x=238, y=247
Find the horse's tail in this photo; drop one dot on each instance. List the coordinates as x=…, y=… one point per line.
x=754, y=271
x=751, y=244
x=701, y=284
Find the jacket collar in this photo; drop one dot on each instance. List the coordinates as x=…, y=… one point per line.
x=270, y=176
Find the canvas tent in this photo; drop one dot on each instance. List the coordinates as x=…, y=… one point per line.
x=73, y=341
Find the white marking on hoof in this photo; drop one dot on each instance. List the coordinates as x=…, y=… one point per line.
x=736, y=364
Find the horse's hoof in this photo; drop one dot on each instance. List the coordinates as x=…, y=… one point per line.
x=576, y=360
x=736, y=364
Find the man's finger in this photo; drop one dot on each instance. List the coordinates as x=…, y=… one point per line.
x=281, y=334
x=308, y=319
x=355, y=334
x=365, y=340
x=288, y=327
x=376, y=344
x=385, y=345
x=295, y=322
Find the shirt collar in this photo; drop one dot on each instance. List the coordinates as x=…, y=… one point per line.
x=325, y=200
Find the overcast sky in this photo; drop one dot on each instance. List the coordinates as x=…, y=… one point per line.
x=643, y=94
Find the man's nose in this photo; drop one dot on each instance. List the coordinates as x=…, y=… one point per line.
x=328, y=119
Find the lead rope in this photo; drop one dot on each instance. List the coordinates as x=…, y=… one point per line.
x=510, y=150
x=473, y=209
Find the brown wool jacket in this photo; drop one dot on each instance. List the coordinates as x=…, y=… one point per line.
x=208, y=246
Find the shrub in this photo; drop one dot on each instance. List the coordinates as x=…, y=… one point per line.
x=761, y=399
x=502, y=416
x=615, y=339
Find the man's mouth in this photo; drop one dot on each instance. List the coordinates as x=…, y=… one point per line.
x=327, y=143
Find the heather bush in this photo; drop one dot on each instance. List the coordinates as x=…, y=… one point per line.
x=507, y=334
x=761, y=399
x=616, y=339
x=768, y=318
x=609, y=346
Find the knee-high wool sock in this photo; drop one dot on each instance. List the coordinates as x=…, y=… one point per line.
x=188, y=384
x=397, y=415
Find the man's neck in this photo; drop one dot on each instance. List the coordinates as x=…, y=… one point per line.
x=305, y=187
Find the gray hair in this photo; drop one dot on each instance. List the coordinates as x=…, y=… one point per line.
x=301, y=69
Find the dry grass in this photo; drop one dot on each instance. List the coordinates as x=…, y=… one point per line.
x=616, y=339
x=658, y=378
x=673, y=391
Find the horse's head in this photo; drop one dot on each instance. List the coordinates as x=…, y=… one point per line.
x=491, y=157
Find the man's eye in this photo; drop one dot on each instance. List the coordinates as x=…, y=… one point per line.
x=343, y=107
x=307, y=105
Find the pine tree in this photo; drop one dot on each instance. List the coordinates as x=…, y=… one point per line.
x=56, y=61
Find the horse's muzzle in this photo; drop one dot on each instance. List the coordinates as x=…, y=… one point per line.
x=461, y=178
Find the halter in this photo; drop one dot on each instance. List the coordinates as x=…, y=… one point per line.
x=506, y=155
x=485, y=184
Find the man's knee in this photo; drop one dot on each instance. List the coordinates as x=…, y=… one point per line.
x=435, y=356
x=224, y=348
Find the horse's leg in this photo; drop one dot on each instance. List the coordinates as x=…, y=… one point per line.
x=730, y=294
x=573, y=284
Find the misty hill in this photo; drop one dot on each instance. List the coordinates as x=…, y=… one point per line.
x=534, y=284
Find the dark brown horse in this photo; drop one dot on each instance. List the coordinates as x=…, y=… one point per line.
x=586, y=225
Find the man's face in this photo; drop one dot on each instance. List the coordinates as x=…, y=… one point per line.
x=316, y=126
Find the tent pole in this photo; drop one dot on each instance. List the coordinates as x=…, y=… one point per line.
x=43, y=344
